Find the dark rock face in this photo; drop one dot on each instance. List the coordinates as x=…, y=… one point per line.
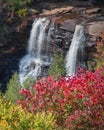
x=62, y=38
x=65, y=21
x=95, y=28
x=69, y=25
x=10, y=56
x=92, y=11
x=7, y=71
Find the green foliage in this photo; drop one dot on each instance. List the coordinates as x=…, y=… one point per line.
x=4, y=35
x=89, y=65
x=29, y=82
x=57, y=66
x=13, y=88
x=77, y=102
x=22, y=12
x=13, y=117
x=17, y=4
x=99, y=63
x=44, y=121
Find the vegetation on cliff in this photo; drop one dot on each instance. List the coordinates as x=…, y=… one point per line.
x=55, y=102
x=62, y=103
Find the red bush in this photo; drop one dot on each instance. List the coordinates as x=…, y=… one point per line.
x=77, y=102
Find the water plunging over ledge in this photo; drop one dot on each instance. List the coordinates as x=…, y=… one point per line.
x=38, y=51
x=75, y=55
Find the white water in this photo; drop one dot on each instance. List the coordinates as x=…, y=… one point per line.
x=37, y=55
x=77, y=46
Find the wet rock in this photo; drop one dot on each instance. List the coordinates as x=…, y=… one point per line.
x=62, y=38
x=33, y=11
x=90, y=40
x=69, y=25
x=95, y=28
x=95, y=16
x=89, y=44
x=93, y=10
x=57, y=11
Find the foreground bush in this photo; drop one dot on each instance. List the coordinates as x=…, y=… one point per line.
x=13, y=88
x=13, y=117
x=78, y=102
x=57, y=67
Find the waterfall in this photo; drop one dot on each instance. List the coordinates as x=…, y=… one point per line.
x=38, y=51
x=75, y=55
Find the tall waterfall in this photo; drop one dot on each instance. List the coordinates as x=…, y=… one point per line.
x=38, y=51
x=75, y=55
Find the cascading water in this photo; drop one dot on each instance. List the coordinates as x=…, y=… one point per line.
x=75, y=55
x=38, y=51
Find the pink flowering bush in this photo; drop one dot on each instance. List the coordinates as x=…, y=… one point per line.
x=77, y=102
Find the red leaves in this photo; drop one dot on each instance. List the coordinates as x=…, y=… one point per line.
x=79, y=99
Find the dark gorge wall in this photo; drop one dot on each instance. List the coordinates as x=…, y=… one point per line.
x=65, y=18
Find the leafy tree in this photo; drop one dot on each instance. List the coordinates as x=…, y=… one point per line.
x=57, y=66
x=13, y=88
x=18, y=6
x=13, y=117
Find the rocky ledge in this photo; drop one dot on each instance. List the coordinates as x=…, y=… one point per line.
x=65, y=18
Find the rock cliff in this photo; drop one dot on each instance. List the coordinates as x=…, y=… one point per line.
x=65, y=17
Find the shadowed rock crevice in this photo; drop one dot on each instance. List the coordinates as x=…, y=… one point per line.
x=65, y=17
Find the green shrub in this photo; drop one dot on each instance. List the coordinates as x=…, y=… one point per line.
x=17, y=4
x=57, y=66
x=29, y=82
x=13, y=88
x=98, y=63
x=22, y=12
x=44, y=121
x=18, y=7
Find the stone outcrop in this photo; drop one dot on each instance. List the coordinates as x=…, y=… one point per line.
x=65, y=19
x=95, y=28
x=69, y=25
x=57, y=11
x=95, y=54
x=93, y=10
